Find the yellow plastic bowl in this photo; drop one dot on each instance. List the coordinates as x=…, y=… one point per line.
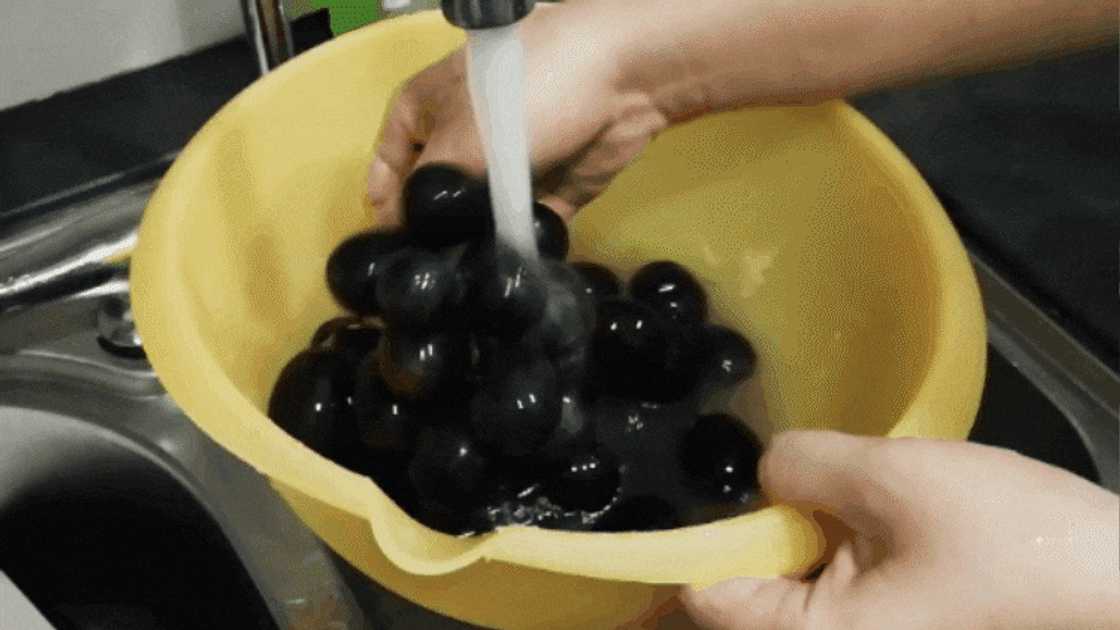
x=815, y=235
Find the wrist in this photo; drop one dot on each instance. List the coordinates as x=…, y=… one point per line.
x=598, y=40
x=654, y=60
x=691, y=62
x=732, y=54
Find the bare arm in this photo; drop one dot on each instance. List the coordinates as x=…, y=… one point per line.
x=722, y=54
x=606, y=76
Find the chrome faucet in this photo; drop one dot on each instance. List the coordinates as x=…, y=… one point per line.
x=269, y=32
x=479, y=14
x=63, y=254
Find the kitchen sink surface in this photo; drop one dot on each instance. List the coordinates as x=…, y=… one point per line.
x=99, y=533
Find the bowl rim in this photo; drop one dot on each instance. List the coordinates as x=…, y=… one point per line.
x=198, y=384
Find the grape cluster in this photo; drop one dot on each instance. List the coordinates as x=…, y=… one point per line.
x=479, y=388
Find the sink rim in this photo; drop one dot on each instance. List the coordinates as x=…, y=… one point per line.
x=119, y=403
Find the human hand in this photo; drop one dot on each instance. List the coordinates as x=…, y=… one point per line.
x=584, y=126
x=937, y=535
x=604, y=77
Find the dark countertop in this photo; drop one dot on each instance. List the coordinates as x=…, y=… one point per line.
x=1025, y=160
x=118, y=124
x=131, y=121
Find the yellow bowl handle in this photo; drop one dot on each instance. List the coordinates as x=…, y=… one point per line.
x=771, y=542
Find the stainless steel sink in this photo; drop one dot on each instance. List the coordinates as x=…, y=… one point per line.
x=99, y=531
x=114, y=506
x=1046, y=396
x=116, y=512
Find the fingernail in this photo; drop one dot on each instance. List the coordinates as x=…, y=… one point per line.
x=379, y=175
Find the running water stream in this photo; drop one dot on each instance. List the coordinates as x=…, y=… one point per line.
x=496, y=76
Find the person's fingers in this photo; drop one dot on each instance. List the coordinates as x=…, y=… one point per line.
x=394, y=158
x=749, y=604
x=405, y=132
x=450, y=70
x=830, y=471
x=544, y=187
x=559, y=205
x=455, y=141
x=819, y=600
x=587, y=174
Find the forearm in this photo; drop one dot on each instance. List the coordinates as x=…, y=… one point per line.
x=705, y=55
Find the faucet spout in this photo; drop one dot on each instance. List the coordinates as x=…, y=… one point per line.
x=480, y=14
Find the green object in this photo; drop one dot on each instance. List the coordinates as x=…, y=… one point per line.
x=347, y=15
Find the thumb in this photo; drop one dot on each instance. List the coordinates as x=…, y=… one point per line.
x=454, y=142
x=749, y=603
x=820, y=470
x=829, y=471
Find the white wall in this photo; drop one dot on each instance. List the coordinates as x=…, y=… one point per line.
x=47, y=46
